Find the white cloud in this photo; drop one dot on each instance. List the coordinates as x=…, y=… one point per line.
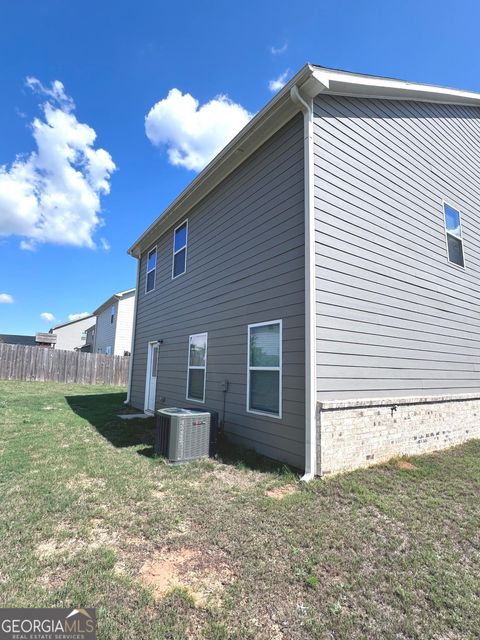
x=105, y=244
x=277, y=83
x=78, y=316
x=194, y=133
x=53, y=194
x=47, y=316
x=27, y=245
x=276, y=51
x=6, y=298
x=56, y=92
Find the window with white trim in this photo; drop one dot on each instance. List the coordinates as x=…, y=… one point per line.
x=453, y=230
x=197, y=367
x=180, y=240
x=264, y=368
x=112, y=314
x=151, y=267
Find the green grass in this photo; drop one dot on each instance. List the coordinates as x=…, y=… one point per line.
x=384, y=553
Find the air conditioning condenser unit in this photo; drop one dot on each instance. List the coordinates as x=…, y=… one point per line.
x=182, y=434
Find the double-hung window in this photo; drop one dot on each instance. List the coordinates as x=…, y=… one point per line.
x=197, y=367
x=264, y=372
x=453, y=230
x=180, y=240
x=112, y=314
x=151, y=267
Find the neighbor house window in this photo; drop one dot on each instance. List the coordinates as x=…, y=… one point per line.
x=112, y=314
x=108, y=351
x=151, y=266
x=264, y=373
x=180, y=239
x=453, y=229
x=197, y=366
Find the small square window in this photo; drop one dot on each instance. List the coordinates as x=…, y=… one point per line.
x=453, y=230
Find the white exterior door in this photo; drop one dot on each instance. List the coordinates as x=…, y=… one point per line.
x=151, y=381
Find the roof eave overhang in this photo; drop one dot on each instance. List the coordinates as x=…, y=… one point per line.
x=113, y=299
x=106, y=304
x=357, y=85
x=65, y=324
x=311, y=81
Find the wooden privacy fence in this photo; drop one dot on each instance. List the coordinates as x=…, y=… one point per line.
x=20, y=362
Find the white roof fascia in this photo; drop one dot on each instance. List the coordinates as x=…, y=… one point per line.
x=353, y=84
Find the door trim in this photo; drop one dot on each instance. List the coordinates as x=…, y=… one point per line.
x=151, y=345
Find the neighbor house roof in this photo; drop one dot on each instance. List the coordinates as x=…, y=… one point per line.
x=311, y=80
x=116, y=296
x=65, y=324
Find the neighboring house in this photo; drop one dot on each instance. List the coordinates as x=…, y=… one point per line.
x=71, y=336
x=38, y=340
x=89, y=345
x=321, y=276
x=114, y=326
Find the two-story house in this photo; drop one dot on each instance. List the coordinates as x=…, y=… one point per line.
x=71, y=336
x=318, y=282
x=112, y=334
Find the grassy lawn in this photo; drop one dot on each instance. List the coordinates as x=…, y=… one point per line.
x=227, y=549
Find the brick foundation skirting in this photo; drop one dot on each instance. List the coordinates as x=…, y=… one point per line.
x=359, y=433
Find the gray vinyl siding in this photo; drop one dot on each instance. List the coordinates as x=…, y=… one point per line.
x=394, y=317
x=245, y=265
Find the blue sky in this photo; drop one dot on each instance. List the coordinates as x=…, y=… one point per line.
x=117, y=60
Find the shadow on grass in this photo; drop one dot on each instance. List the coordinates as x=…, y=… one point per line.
x=101, y=410
x=241, y=457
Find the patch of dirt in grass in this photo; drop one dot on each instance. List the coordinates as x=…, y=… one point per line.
x=237, y=478
x=280, y=492
x=136, y=541
x=83, y=481
x=120, y=568
x=54, y=579
x=404, y=464
x=98, y=537
x=204, y=575
x=102, y=537
x=46, y=550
